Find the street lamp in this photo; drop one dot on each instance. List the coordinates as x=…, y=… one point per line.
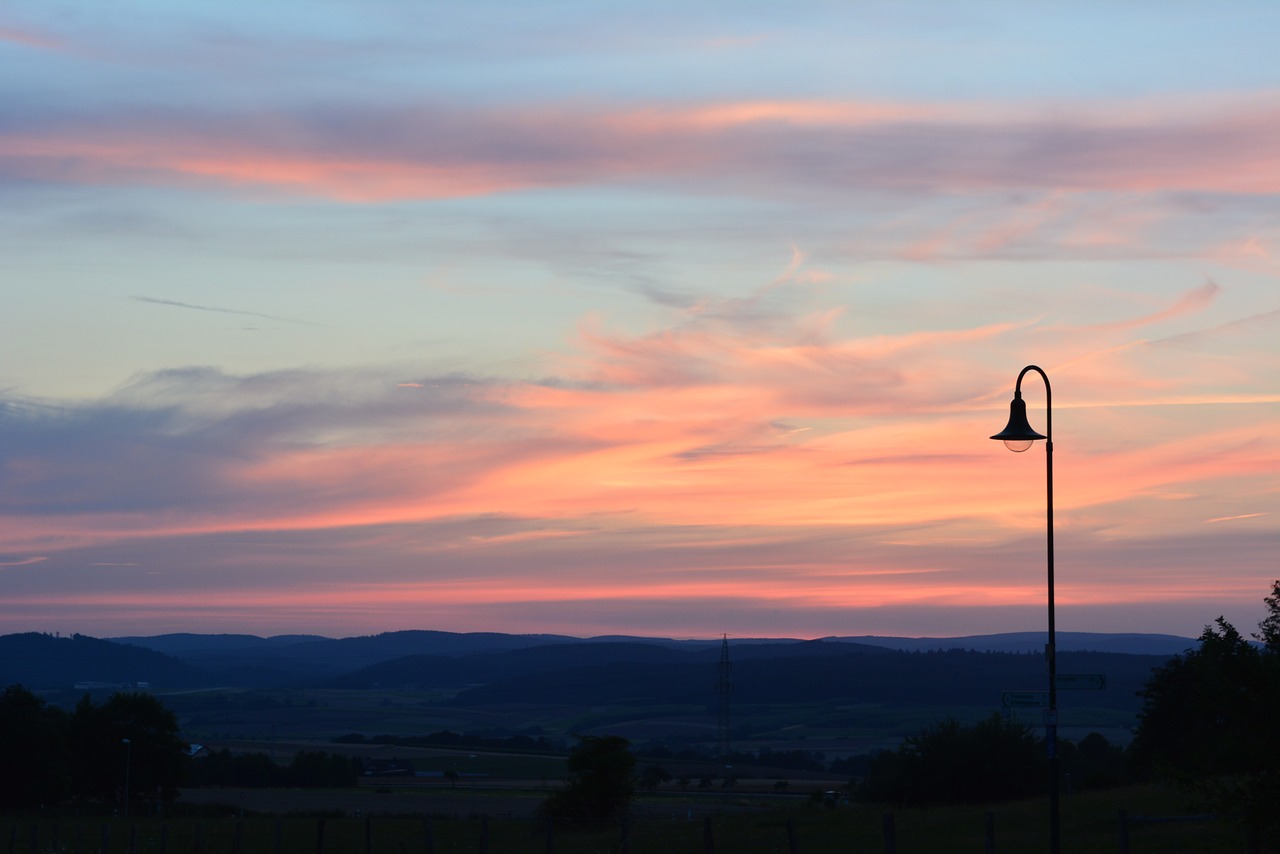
x=1018, y=437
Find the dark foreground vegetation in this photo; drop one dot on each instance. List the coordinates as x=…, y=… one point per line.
x=1205, y=760
x=1145, y=820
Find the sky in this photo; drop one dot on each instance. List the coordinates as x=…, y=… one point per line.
x=664, y=319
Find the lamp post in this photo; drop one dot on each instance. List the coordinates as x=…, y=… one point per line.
x=1018, y=436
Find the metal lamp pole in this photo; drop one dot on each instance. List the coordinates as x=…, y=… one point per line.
x=1018, y=436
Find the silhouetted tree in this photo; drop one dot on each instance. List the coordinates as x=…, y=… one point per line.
x=153, y=758
x=1211, y=721
x=33, y=744
x=1269, y=628
x=223, y=768
x=309, y=769
x=653, y=776
x=992, y=760
x=600, y=785
x=1198, y=709
x=1094, y=763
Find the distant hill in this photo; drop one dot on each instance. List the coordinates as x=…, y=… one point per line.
x=40, y=661
x=252, y=661
x=846, y=693
x=1134, y=644
x=818, y=673
x=492, y=664
x=435, y=671
x=184, y=643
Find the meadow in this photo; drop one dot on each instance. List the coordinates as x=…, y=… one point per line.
x=438, y=820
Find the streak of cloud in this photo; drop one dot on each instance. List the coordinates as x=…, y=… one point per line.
x=938, y=147
x=26, y=38
x=24, y=562
x=216, y=310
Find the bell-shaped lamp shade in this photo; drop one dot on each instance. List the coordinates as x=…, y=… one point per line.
x=1017, y=434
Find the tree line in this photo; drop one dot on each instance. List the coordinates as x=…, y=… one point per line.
x=308, y=769
x=1209, y=723
x=125, y=749
x=127, y=752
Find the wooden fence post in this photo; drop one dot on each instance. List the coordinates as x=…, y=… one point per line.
x=238, y=838
x=320, y=836
x=106, y=839
x=890, y=835
x=791, y=835
x=198, y=845
x=368, y=835
x=626, y=834
x=1124, y=831
x=484, y=835
x=989, y=831
x=428, y=835
x=708, y=841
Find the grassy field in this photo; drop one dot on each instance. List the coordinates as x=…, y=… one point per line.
x=221, y=716
x=675, y=823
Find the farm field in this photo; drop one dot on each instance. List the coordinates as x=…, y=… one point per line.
x=479, y=820
x=316, y=716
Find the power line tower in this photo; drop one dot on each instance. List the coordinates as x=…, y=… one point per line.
x=724, y=690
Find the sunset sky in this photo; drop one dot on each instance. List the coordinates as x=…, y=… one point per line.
x=663, y=318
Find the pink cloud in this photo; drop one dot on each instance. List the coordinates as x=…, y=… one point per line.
x=452, y=152
x=26, y=38
x=24, y=561
x=753, y=449
x=658, y=428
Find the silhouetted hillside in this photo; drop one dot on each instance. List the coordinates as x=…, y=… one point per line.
x=436, y=671
x=297, y=659
x=500, y=668
x=1128, y=643
x=185, y=645
x=533, y=662
x=820, y=673
x=40, y=661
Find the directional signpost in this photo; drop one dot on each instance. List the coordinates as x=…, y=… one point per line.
x=1065, y=682
x=1024, y=699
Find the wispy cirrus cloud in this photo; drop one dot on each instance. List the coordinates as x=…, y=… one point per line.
x=437, y=151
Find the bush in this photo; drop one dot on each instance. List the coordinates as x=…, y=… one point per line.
x=947, y=763
x=600, y=786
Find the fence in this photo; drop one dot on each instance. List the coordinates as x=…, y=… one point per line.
x=804, y=832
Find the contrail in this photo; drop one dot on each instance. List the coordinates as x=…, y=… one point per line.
x=176, y=304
